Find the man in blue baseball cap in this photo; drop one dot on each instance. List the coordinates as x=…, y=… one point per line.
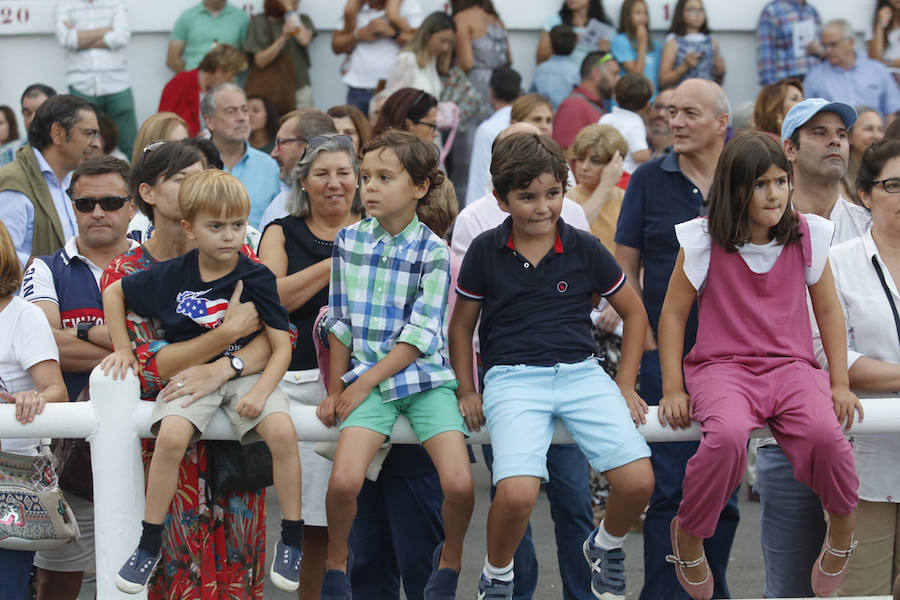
x=815, y=138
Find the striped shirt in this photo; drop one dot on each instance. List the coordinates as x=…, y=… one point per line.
x=385, y=290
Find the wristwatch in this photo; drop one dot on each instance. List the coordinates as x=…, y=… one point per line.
x=237, y=364
x=81, y=330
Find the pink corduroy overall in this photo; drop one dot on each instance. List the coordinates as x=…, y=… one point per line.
x=753, y=364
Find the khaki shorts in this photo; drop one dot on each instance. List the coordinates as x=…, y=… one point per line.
x=226, y=397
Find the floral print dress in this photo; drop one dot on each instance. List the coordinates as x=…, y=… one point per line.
x=212, y=549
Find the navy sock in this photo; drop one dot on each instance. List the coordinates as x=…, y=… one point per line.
x=151, y=538
x=292, y=533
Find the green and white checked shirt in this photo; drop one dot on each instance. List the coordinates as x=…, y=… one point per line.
x=386, y=290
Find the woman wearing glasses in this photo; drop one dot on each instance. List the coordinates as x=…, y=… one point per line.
x=409, y=109
x=212, y=548
x=297, y=248
x=866, y=271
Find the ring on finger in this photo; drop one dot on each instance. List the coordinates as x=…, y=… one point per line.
x=180, y=384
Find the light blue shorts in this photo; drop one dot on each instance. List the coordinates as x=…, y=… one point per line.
x=522, y=404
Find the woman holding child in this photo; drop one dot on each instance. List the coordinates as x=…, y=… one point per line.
x=216, y=548
x=297, y=249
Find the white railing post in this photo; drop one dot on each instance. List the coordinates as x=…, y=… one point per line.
x=118, y=478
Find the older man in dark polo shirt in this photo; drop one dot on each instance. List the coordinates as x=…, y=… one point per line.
x=663, y=192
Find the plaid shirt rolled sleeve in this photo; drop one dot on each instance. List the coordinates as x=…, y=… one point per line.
x=386, y=290
x=775, y=58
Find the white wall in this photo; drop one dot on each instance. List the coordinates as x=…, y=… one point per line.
x=31, y=53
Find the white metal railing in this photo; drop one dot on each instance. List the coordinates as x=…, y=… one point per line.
x=115, y=419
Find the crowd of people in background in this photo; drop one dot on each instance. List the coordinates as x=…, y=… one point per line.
x=458, y=245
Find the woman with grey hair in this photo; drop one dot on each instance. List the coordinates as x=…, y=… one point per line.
x=297, y=248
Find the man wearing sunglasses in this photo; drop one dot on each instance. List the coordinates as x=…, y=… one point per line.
x=34, y=204
x=65, y=285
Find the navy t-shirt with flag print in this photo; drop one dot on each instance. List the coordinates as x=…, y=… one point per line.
x=186, y=306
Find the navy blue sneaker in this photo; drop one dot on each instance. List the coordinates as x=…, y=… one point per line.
x=607, y=570
x=441, y=583
x=285, y=571
x=136, y=572
x=336, y=584
x=494, y=589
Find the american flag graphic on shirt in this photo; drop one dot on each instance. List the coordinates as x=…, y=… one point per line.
x=205, y=312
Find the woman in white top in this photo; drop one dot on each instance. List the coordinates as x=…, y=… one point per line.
x=429, y=52
x=29, y=378
x=866, y=270
x=883, y=40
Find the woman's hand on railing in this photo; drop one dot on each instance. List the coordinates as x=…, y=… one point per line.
x=29, y=404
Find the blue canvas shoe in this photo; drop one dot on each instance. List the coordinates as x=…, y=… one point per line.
x=285, y=571
x=607, y=570
x=136, y=572
x=494, y=589
x=441, y=583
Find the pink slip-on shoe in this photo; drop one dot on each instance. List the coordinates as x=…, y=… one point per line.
x=701, y=590
x=823, y=583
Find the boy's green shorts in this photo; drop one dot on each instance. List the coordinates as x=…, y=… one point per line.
x=429, y=413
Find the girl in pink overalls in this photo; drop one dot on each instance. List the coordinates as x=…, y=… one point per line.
x=751, y=263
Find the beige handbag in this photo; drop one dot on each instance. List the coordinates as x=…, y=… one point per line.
x=34, y=515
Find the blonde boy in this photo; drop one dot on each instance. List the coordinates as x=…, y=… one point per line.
x=189, y=295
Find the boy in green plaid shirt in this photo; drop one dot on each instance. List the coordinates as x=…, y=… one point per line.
x=387, y=320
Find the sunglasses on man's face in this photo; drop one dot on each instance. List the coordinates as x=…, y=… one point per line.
x=86, y=204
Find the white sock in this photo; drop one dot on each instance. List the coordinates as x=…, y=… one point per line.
x=501, y=573
x=607, y=541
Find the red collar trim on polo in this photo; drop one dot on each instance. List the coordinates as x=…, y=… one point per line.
x=557, y=245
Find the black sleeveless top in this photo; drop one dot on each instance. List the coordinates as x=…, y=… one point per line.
x=304, y=250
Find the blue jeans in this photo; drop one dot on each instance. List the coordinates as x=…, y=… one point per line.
x=15, y=574
x=669, y=460
x=397, y=527
x=570, y=508
x=360, y=98
x=792, y=525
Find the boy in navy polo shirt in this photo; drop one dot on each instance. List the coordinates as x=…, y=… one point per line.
x=187, y=296
x=533, y=281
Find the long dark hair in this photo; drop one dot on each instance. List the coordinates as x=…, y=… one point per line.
x=678, y=26
x=595, y=11
x=875, y=24
x=742, y=162
x=627, y=27
x=161, y=163
x=457, y=6
x=405, y=103
x=272, y=115
x=13, y=125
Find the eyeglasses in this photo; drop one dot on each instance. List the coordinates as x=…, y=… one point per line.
x=86, y=204
x=279, y=142
x=320, y=140
x=891, y=186
x=434, y=126
x=695, y=10
x=93, y=134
